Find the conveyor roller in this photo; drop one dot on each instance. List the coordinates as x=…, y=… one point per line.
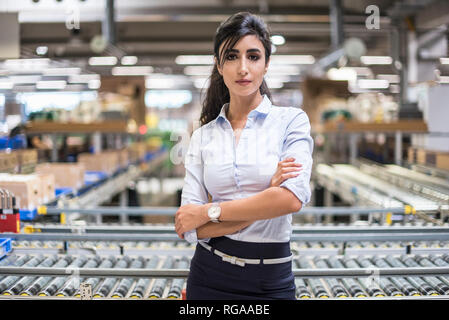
x=336, y=288
x=439, y=283
x=317, y=287
x=159, y=284
x=58, y=282
x=370, y=287
x=351, y=285
x=26, y=281
x=125, y=284
x=178, y=283
x=143, y=284
x=93, y=282
x=424, y=287
x=402, y=283
x=386, y=285
x=109, y=283
x=11, y=280
x=43, y=281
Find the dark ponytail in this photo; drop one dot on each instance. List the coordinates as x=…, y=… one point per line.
x=230, y=32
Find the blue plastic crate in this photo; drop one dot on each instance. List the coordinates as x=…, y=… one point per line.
x=94, y=176
x=5, y=247
x=16, y=142
x=27, y=214
x=62, y=191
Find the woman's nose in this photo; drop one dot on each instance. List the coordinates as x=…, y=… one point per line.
x=243, y=67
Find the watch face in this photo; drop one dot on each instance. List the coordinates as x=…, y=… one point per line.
x=214, y=212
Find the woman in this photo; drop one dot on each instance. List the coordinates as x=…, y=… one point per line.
x=243, y=235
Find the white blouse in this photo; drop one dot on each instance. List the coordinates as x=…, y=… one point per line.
x=216, y=165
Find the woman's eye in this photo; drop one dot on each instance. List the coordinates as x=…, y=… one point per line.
x=253, y=57
x=231, y=57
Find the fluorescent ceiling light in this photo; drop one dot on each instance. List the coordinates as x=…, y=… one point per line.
x=159, y=83
x=94, y=84
x=281, y=78
x=83, y=78
x=201, y=83
x=57, y=84
x=292, y=59
x=373, y=84
x=444, y=60
x=75, y=87
x=369, y=60
x=274, y=84
x=24, y=79
x=347, y=74
x=362, y=71
x=198, y=70
x=42, y=50
x=132, y=71
x=278, y=40
x=195, y=59
x=102, y=61
x=129, y=60
x=22, y=62
x=26, y=65
x=391, y=78
x=283, y=70
x=61, y=71
x=6, y=85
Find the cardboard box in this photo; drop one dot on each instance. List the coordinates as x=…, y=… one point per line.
x=47, y=186
x=442, y=161
x=421, y=156
x=67, y=175
x=107, y=161
x=429, y=158
x=26, y=189
x=9, y=162
x=123, y=157
x=411, y=155
x=27, y=160
x=137, y=151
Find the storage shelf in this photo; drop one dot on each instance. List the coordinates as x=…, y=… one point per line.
x=76, y=127
x=411, y=126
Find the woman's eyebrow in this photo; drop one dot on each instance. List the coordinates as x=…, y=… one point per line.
x=249, y=50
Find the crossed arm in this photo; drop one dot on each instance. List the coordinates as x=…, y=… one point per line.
x=238, y=214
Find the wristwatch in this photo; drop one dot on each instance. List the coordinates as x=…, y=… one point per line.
x=214, y=212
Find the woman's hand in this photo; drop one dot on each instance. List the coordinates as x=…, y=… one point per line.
x=189, y=217
x=286, y=169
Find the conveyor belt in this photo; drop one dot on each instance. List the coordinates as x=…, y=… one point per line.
x=159, y=287
x=384, y=187
x=361, y=178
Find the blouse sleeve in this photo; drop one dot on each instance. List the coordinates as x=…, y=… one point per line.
x=194, y=190
x=298, y=144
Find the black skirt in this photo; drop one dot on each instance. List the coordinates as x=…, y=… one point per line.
x=211, y=278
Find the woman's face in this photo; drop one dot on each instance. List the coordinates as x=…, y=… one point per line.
x=244, y=66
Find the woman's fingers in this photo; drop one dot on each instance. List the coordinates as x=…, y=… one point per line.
x=289, y=175
x=293, y=169
x=288, y=163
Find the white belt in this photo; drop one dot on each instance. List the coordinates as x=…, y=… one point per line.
x=241, y=261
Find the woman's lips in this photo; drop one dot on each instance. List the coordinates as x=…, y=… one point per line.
x=243, y=82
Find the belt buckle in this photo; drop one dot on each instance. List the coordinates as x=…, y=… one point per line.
x=234, y=260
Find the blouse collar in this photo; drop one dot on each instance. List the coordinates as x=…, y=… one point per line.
x=262, y=108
